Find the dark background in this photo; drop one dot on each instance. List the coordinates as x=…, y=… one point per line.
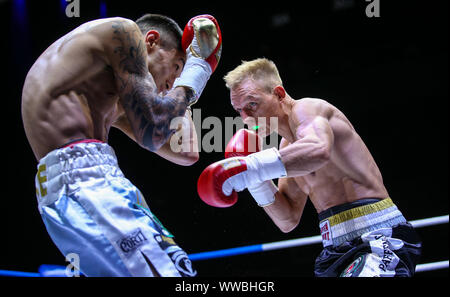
x=389, y=75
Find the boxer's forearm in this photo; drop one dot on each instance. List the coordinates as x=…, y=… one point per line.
x=151, y=115
x=182, y=148
x=283, y=213
x=303, y=157
x=311, y=151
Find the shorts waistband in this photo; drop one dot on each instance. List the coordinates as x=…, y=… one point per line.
x=346, y=206
x=75, y=156
x=354, y=219
x=62, y=170
x=74, y=142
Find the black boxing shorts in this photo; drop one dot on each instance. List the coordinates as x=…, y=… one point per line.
x=367, y=238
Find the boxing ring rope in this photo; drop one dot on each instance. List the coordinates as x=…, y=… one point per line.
x=432, y=266
x=55, y=270
x=294, y=242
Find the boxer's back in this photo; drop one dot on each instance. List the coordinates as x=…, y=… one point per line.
x=70, y=93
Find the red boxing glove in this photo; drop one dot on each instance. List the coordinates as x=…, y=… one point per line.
x=243, y=143
x=210, y=182
x=208, y=45
x=246, y=166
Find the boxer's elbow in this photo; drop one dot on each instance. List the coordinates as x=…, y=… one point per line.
x=151, y=142
x=153, y=137
x=188, y=159
x=288, y=226
x=289, y=223
x=284, y=213
x=194, y=157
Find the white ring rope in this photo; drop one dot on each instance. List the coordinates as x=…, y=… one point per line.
x=430, y=221
x=432, y=266
x=296, y=242
x=315, y=240
x=267, y=247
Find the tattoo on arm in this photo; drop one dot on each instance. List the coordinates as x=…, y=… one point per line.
x=149, y=114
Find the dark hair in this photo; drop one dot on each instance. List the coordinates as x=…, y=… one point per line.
x=170, y=32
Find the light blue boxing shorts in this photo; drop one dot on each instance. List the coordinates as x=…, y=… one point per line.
x=90, y=209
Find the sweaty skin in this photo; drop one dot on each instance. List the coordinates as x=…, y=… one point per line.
x=105, y=74
x=325, y=158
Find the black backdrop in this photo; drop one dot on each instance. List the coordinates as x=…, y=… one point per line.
x=389, y=75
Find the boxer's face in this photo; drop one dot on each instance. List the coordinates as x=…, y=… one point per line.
x=165, y=65
x=255, y=105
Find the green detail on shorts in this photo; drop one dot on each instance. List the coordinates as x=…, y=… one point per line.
x=353, y=267
x=156, y=220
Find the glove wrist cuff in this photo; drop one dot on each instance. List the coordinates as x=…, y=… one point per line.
x=268, y=164
x=264, y=193
x=195, y=75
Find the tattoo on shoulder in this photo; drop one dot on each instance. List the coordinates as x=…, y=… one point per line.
x=149, y=114
x=130, y=49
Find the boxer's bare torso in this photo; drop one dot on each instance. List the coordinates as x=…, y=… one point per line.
x=325, y=159
x=69, y=94
x=349, y=173
x=74, y=89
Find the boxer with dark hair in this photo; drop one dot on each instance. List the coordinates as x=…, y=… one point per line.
x=134, y=76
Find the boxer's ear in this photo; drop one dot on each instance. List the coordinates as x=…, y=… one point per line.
x=152, y=38
x=280, y=92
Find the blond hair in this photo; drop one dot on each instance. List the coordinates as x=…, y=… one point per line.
x=262, y=70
